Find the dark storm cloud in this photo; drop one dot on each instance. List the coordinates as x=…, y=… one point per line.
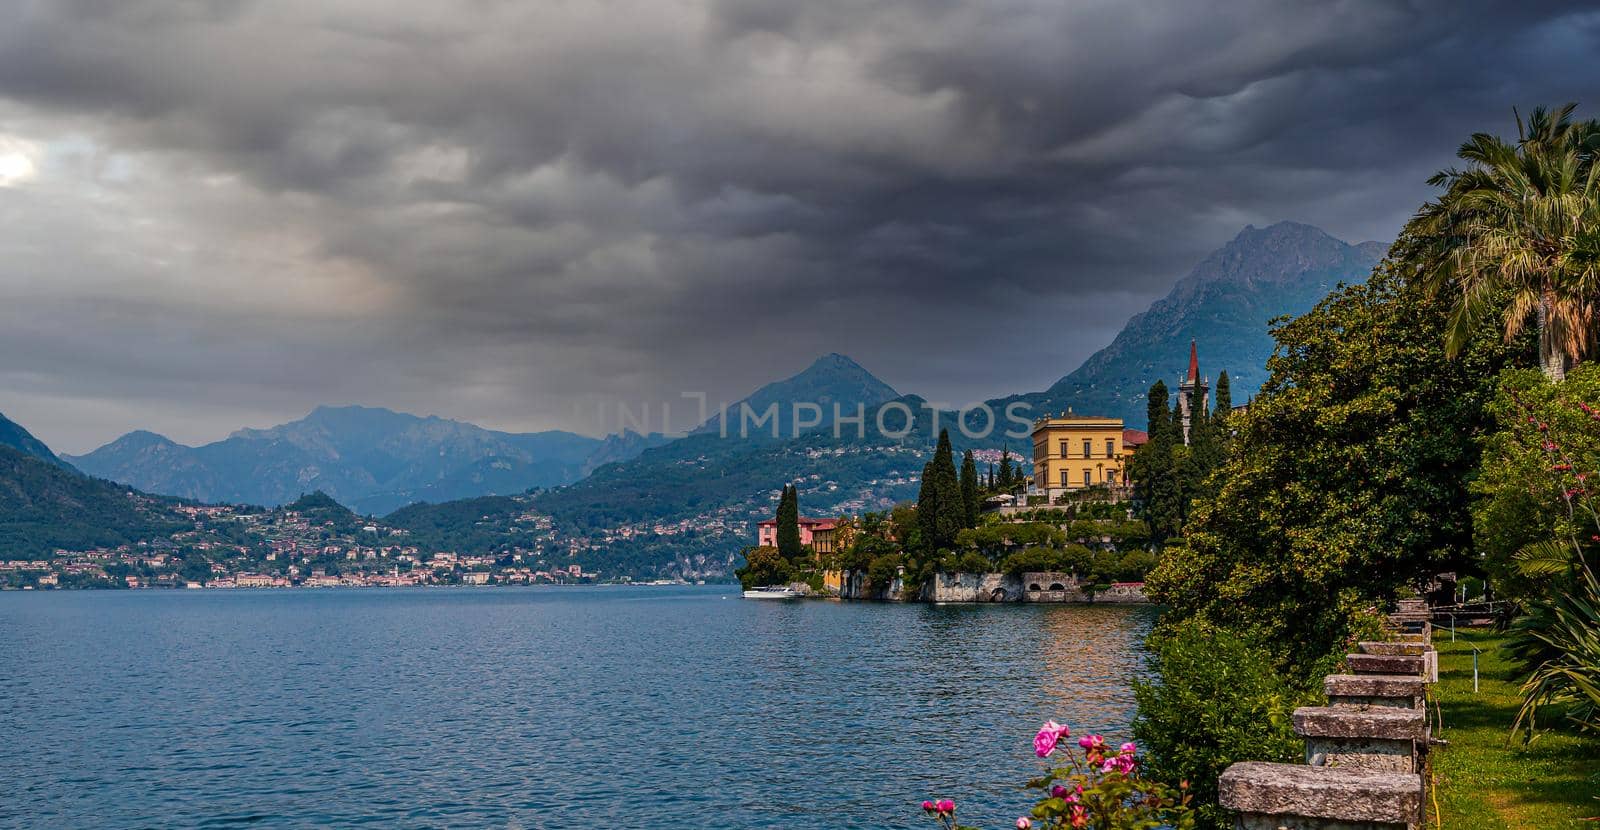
x=491, y=210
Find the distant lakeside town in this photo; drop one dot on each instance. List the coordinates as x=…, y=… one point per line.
x=312, y=544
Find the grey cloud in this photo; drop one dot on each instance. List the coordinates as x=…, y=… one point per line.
x=490, y=210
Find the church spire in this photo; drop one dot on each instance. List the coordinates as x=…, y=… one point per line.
x=1192, y=392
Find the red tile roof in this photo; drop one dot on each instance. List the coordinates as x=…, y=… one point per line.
x=814, y=524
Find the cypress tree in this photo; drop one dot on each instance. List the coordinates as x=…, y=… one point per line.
x=927, y=507
x=950, y=516
x=1007, y=477
x=1155, y=470
x=1221, y=428
x=969, y=490
x=789, y=524
x=991, y=477
x=1156, y=418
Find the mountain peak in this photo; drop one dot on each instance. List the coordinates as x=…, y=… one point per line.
x=144, y=438
x=830, y=379
x=1223, y=305
x=1285, y=228
x=834, y=360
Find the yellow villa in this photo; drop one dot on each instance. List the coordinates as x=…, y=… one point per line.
x=1072, y=452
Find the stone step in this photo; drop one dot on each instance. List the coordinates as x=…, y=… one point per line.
x=1405, y=605
x=1404, y=691
x=1387, y=647
x=1385, y=664
x=1270, y=796
x=1373, y=738
x=1384, y=722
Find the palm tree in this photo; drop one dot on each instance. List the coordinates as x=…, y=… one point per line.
x=1520, y=228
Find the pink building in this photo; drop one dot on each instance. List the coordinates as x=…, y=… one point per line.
x=818, y=533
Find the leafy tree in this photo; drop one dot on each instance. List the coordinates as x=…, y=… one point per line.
x=969, y=491
x=195, y=569
x=993, y=540
x=1521, y=220
x=1034, y=560
x=764, y=566
x=789, y=524
x=1349, y=473
x=971, y=562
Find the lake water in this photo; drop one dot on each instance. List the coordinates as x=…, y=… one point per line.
x=537, y=708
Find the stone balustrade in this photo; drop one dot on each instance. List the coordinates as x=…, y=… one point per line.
x=1366, y=751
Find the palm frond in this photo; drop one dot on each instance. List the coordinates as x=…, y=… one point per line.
x=1545, y=558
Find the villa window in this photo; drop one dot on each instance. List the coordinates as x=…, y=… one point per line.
x=1111, y=448
x=1088, y=477
x=1064, y=452
x=1111, y=477
x=1065, y=481
x=1087, y=452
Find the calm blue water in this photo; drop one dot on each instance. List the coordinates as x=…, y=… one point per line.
x=536, y=708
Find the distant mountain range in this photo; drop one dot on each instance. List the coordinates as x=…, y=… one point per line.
x=652, y=505
x=373, y=460
x=718, y=487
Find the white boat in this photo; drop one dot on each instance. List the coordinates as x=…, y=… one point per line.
x=772, y=592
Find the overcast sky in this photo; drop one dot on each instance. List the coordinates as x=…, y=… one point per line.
x=221, y=214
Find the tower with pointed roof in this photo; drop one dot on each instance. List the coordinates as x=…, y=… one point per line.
x=1192, y=391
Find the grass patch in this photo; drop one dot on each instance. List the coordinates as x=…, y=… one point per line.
x=1486, y=782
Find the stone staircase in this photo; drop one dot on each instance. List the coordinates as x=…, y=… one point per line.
x=1366, y=751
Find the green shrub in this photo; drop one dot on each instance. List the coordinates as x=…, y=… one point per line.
x=1219, y=700
x=1134, y=565
x=1032, y=560
x=972, y=563
x=883, y=570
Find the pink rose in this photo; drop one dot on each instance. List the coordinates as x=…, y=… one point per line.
x=1129, y=748
x=1058, y=791
x=1049, y=735
x=947, y=806
x=927, y=806
x=1023, y=823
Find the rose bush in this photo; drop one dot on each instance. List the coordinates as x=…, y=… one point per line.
x=1095, y=788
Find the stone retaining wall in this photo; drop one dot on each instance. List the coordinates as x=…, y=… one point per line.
x=995, y=587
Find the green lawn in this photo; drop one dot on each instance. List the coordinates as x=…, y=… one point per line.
x=1484, y=782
